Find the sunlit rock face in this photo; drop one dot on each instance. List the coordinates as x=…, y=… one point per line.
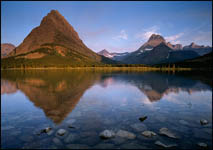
x=6, y=48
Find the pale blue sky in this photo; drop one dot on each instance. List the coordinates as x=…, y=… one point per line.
x=115, y=26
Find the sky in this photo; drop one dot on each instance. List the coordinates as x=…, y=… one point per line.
x=114, y=26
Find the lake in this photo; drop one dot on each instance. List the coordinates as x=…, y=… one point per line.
x=85, y=103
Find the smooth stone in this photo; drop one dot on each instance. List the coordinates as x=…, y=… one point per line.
x=104, y=146
x=139, y=127
x=48, y=129
x=164, y=145
x=183, y=122
x=165, y=131
x=57, y=142
x=71, y=138
x=203, y=122
x=204, y=145
x=126, y=134
x=148, y=133
x=61, y=132
x=143, y=118
x=106, y=134
x=26, y=138
x=77, y=146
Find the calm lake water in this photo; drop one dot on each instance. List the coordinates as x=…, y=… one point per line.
x=91, y=102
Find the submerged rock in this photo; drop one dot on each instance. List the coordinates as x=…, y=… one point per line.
x=203, y=145
x=139, y=127
x=106, y=134
x=61, y=132
x=148, y=133
x=203, y=122
x=48, y=129
x=164, y=145
x=166, y=132
x=125, y=134
x=143, y=118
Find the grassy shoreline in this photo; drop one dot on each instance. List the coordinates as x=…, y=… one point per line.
x=104, y=68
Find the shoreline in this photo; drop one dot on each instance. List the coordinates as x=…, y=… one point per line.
x=106, y=68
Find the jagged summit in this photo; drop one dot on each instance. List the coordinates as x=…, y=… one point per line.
x=155, y=37
x=54, y=29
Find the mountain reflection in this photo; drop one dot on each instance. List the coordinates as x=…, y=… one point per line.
x=58, y=92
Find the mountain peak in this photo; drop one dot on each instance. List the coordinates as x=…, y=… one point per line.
x=156, y=37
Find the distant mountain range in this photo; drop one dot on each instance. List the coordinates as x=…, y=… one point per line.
x=114, y=56
x=55, y=43
x=156, y=50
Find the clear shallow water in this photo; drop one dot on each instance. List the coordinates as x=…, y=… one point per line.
x=92, y=102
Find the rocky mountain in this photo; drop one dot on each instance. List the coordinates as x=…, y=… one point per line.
x=114, y=56
x=6, y=48
x=175, y=47
x=157, y=50
x=153, y=41
x=200, y=49
x=55, y=41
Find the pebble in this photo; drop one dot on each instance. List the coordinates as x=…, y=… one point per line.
x=126, y=134
x=106, y=134
x=165, y=131
x=143, y=118
x=61, y=132
x=203, y=122
x=204, y=145
x=148, y=133
x=164, y=145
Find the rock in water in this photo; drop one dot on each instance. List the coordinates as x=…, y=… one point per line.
x=203, y=145
x=164, y=145
x=61, y=132
x=165, y=131
x=143, y=118
x=46, y=130
x=203, y=122
x=148, y=133
x=125, y=134
x=106, y=134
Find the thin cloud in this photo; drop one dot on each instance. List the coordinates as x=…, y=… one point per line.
x=173, y=38
x=123, y=35
x=146, y=33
